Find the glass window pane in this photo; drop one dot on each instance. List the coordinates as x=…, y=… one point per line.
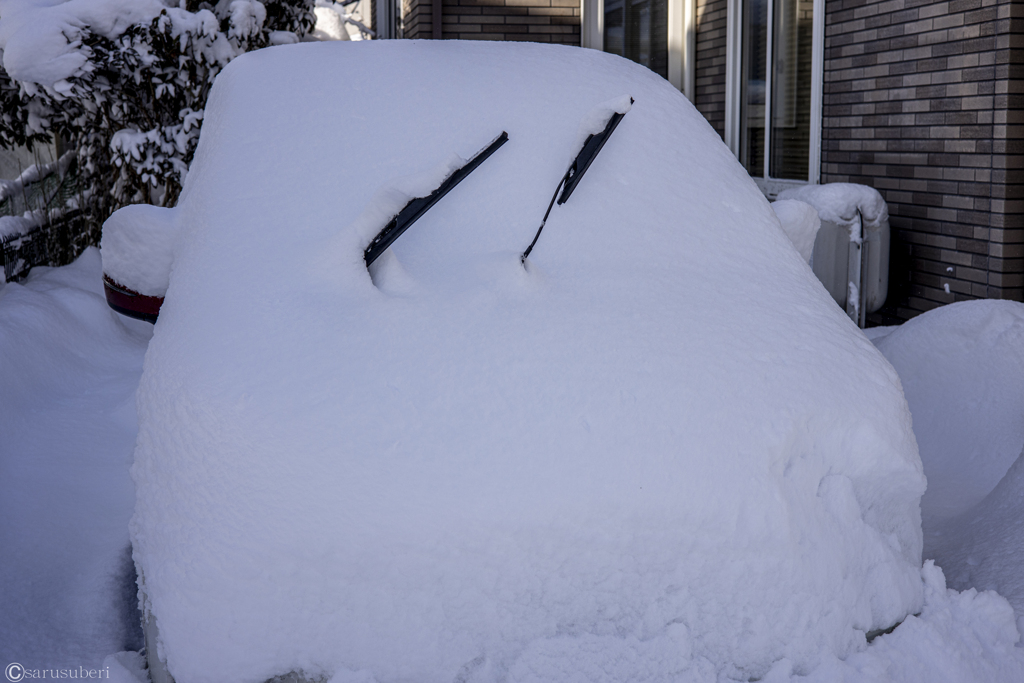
x=638, y=30
x=614, y=27
x=791, y=89
x=752, y=85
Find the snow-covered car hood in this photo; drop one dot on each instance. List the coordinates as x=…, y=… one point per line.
x=658, y=447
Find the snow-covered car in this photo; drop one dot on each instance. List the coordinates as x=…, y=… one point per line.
x=655, y=449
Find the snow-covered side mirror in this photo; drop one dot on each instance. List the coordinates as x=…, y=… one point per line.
x=138, y=249
x=800, y=222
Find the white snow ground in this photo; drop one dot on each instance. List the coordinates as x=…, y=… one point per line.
x=68, y=368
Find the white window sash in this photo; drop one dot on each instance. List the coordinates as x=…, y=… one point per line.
x=592, y=24
x=817, y=78
x=682, y=45
x=733, y=77
x=733, y=81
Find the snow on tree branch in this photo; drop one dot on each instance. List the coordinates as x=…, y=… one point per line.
x=124, y=83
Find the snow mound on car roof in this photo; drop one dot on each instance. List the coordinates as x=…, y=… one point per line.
x=659, y=448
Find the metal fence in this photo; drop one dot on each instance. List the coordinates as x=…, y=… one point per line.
x=57, y=242
x=53, y=230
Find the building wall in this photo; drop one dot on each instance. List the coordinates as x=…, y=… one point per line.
x=416, y=21
x=922, y=100
x=541, y=21
x=709, y=70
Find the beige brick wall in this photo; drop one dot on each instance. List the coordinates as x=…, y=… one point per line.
x=542, y=21
x=921, y=101
x=417, y=16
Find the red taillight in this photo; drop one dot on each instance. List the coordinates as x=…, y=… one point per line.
x=130, y=303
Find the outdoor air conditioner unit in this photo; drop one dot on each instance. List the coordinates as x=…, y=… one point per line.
x=851, y=249
x=853, y=264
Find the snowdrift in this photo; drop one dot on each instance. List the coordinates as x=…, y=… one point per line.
x=659, y=450
x=984, y=547
x=962, y=368
x=69, y=367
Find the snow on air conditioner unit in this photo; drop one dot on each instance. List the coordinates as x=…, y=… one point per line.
x=851, y=249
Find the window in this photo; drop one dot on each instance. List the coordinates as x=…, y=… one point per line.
x=773, y=89
x=638, y=30
x=656, y=33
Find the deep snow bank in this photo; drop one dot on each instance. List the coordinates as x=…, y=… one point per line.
x=69, y=367
x=962, y=369
x=959, y=637
x=984, y=547
x=662, y=437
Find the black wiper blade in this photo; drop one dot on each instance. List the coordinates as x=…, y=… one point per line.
x=579, y=166
x=419, y=206
x=586, y=156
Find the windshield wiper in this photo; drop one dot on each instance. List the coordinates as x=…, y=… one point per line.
x=419, y=206
x=579, y=166
x=586, y=156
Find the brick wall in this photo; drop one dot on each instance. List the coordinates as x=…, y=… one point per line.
x=417, y=17
x=709, y=70
x=922, y=100
x=541, y=21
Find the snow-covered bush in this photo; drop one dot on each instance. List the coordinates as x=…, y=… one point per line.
x=124, y=83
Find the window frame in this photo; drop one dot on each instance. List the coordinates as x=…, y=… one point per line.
x=733, y=102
